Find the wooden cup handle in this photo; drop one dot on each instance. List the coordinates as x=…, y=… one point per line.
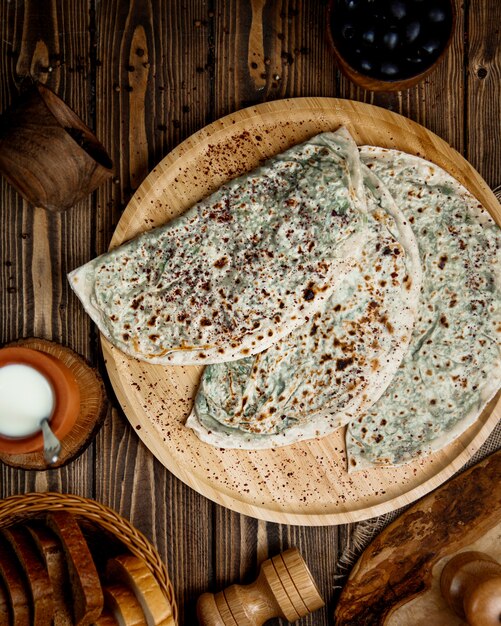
x=284, y=588
x=471, y=585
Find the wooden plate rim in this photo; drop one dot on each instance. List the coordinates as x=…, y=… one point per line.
x=471, y=439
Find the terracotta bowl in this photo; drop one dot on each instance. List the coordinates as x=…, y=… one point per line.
x=376, y=84
x=66, y=392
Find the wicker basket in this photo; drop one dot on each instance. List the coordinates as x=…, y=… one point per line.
x=20, y=508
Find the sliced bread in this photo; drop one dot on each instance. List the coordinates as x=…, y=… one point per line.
x=106, y=619
x=132, y=571
x=51, y=550
x=122, y=604
x=35, y=572
x=86, y=592
x=4, y=605
x=16, y=585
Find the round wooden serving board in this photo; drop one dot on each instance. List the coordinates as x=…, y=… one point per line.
x=305, y=483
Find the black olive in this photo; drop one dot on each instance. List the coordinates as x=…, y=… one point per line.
x=412, y=31
x=398, y=9
x=436, y=14
x=369, y=35
x=389, y=69
x=431, y=46
x=366, y=65
x=390, y=40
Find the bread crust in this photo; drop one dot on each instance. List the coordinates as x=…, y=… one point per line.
x=106, y=619
x=4, y=605
x=85, y=585
x=122, y=603
x=51, y=550
x=15, y=584
x=35, y=572
x=133, y=572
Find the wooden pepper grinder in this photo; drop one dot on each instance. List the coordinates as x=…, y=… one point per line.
x=471, y=585
x=284, y=588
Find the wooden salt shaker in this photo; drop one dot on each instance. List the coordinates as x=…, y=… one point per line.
x=284, y=588
x=471, y=585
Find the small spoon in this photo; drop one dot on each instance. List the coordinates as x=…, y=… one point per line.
x=51, y=444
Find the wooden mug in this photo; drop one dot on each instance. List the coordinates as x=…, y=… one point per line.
x=284, y=588
x=47, y=153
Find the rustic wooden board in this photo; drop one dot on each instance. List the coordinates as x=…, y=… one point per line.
x=396, y=581
x=430, y=607
x=305, y=483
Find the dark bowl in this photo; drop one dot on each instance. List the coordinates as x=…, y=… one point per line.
x=347, y=57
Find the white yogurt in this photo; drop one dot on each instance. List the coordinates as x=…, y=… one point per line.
x=26, y=398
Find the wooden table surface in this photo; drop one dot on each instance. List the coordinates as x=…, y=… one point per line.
x=146, y=74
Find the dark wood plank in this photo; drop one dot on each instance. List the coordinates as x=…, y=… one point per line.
x=483, y=119
x=267, y=50
x=152, y=88
x=240, y=535
x=152, y=91
x=38, y=248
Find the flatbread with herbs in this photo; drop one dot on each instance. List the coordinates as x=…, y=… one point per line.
x=453, y=365
x=239, y=270
x=323, y=374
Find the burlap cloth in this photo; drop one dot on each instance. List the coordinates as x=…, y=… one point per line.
x=364, y=532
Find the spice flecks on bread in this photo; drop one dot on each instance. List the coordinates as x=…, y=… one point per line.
x=133, y=572
x=84, y=580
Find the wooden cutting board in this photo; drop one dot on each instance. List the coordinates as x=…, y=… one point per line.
x=305, y=483
x=396, y=580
